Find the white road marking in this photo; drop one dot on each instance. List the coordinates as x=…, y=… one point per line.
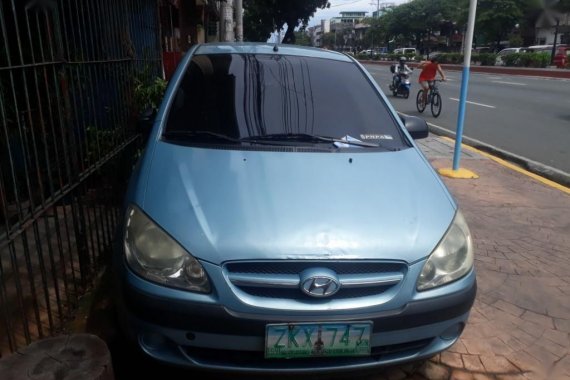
x=474, y=103
x=512, y=83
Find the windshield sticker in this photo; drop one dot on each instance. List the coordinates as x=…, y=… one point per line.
x=376, y=137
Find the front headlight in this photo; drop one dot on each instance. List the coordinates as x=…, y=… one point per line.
x=452, y=259
x=154, y=255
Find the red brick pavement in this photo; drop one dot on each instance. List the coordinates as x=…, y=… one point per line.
x=519, y=327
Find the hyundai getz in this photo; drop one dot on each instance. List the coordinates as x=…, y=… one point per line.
x=282, y=219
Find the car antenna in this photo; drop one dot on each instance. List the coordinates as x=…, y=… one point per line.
x=276, y=48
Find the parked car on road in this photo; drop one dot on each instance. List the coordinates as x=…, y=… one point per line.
x=562, y=56
x=499, y=61
x=283, y=220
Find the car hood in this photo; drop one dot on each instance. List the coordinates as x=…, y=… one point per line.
x=225, y=205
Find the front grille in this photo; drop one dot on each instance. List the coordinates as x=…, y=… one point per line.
x=277, y=281
x=295, y=267
x=296, y=294
x=225, y=358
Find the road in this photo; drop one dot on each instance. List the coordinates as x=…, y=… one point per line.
x=528, y=116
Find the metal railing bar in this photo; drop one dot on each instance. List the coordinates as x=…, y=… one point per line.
x=71, y=250
x=52, y=263
x=59, y=243
x=16, y=112
x=5, y=309
x=40, y=109
x=29, y=112
x=43, y=273
x=19, y=228
x=32, y=283
x=19, y=291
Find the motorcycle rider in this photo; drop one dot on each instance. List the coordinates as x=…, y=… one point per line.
x=401, y=69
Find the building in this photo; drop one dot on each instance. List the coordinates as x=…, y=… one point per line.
x=315, y=34
x=346, y=19
x=326, y=26
x=546, y=28
x=382, y=9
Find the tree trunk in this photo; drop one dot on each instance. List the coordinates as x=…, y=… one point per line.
x=290, y=34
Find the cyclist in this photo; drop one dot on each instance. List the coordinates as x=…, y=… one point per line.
x=429, y=72
x=402, y=68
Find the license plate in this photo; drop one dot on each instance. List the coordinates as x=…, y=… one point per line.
x=302, y=340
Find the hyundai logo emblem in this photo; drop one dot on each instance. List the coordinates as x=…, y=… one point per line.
x=319, y=282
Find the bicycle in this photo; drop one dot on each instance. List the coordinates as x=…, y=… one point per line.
x=433, y=98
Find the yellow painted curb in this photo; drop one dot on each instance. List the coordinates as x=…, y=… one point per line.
x=516, y=168
x=459, y=173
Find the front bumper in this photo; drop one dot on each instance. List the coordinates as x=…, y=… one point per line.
x=213, y=337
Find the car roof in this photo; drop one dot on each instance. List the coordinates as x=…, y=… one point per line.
x=265, y=48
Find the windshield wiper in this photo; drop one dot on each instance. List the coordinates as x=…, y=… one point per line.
x=305, y=137
x=191, y=135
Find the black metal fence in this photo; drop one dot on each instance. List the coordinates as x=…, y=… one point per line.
x=67, y=144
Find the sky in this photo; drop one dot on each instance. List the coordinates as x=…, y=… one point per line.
x=346, y=5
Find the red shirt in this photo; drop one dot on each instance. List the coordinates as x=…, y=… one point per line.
x=428, y=72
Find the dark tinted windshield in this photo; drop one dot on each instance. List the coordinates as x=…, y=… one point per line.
x=246, y=95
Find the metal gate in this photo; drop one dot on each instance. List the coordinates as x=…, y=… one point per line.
x=67, y=144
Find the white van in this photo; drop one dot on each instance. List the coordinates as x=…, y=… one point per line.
x=405, y=51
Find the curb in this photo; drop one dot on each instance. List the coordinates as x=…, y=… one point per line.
x=520, y=71
x=545, y=171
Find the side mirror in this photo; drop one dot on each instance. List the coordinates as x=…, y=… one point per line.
x=416, y=126
x=145, y=122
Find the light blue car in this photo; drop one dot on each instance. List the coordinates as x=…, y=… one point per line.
x=282, y=220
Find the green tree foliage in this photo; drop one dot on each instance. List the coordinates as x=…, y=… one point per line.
x=496, y=18
x=301, y=38
x=262, y=17
x=328, y=40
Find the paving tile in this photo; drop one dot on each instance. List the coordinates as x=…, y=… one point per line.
x=482, y=376
x=546, y=358
x=499, y=347
x=542, y=320
x=562, y=324
x=525, y=362
x=457, y=374
x=554, y=348
x=559, y=337
x=532, y=328
x=434, y=371
x=451, y=359
x=509, y=308
x=472, y=363
x=395, y=374
x=478, y=346
x=458, y=347
x=497, y=364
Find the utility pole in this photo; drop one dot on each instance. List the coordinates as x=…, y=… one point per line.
x=226, y=21
x=456, y=171
x=238, y=5
x=377, y=7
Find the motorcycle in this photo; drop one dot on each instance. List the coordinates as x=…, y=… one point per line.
x=401, y=84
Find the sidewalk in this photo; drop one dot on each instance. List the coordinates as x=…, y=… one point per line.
x=519, y=327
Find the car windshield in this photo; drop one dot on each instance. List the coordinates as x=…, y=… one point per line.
x=240, y=99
